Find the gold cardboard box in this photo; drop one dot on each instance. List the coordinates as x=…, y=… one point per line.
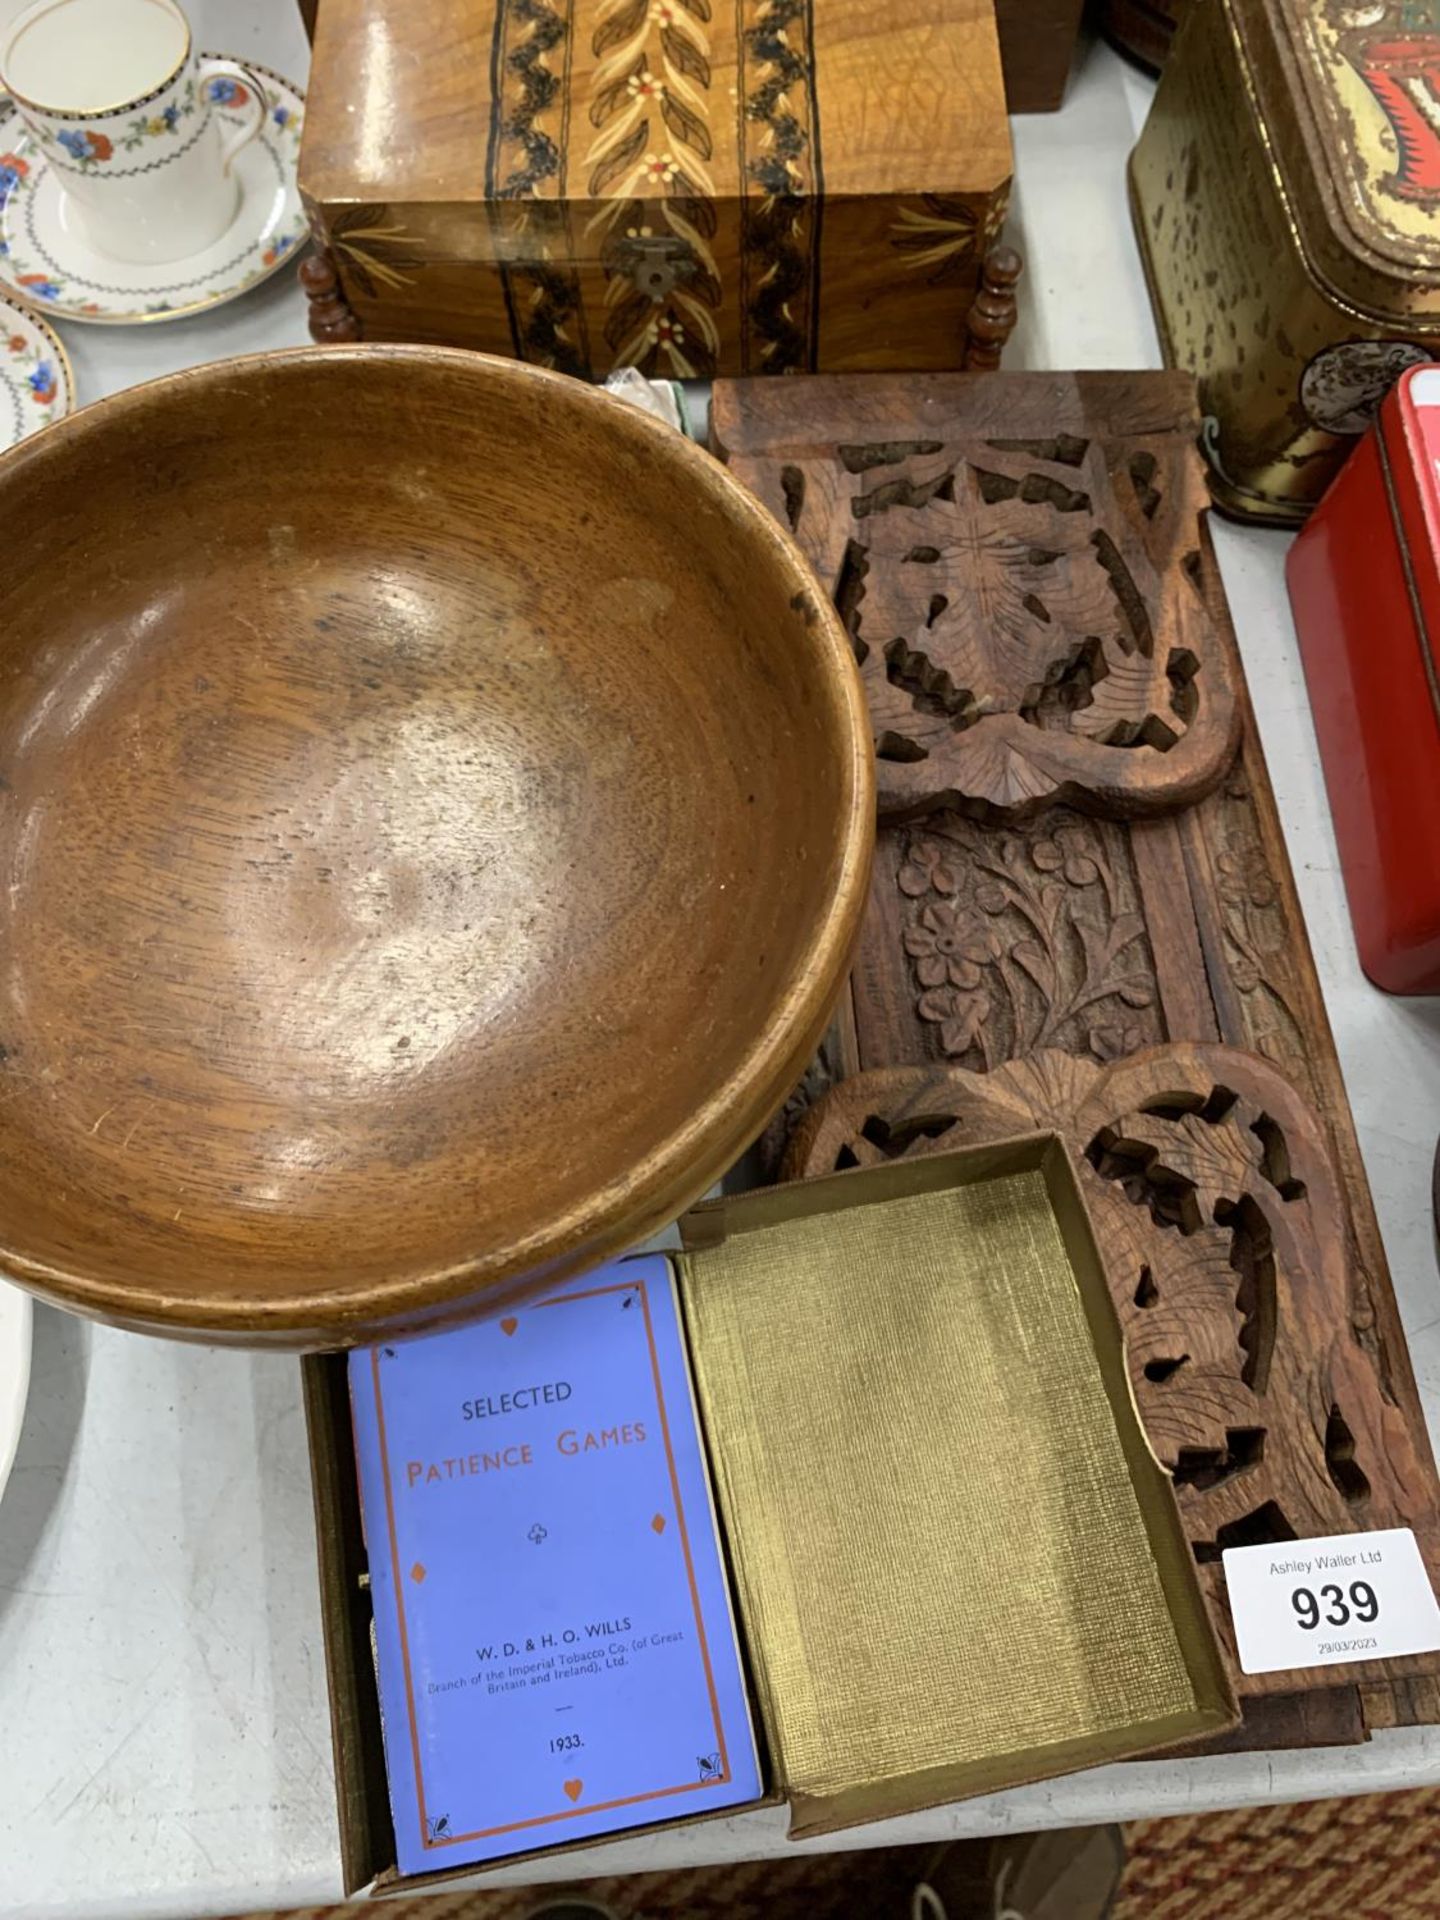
x=958, y=1566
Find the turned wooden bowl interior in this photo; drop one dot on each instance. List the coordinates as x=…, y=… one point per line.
x=435, y=813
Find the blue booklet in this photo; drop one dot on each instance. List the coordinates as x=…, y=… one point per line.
x=556, y=1650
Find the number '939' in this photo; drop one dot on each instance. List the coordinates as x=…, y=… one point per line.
x=1336, y=1606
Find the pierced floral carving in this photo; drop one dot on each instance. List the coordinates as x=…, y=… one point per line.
x=1026, y=624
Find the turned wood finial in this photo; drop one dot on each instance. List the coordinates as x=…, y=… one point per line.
x=331, y=318
x=991, y=319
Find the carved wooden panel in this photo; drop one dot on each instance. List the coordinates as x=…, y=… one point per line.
x=989, y=542
x=1015, y=938
x=1074, y=927
x=1222, y=1227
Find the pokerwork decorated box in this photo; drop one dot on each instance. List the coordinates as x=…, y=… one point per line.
x=686, y=186
x=1286, y=191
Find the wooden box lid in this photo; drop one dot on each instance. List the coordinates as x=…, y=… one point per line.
x=670, y=183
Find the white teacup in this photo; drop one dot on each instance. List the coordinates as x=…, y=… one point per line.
x=130, y=119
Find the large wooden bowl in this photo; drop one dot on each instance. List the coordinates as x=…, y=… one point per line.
x=435, y=814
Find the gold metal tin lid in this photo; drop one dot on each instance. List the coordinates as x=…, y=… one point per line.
x=1347, y=93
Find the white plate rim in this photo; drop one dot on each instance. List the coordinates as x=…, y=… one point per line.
x=16, y=1325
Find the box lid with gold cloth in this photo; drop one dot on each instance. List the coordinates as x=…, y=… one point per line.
x=669, y=184
x=957, y=1565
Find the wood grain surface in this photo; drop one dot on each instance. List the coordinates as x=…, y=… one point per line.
x=1002, y=935
x=766, y=188
x=437, y=811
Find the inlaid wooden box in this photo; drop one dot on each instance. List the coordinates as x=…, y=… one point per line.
x=669, y=184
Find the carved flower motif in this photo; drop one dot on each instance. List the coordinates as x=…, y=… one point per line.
x=1062, y=855
x=1245, y=879
x=1114, y=1041
x=959, y=1015
x=928, y=868
x=1245, y=973
x=948, y=944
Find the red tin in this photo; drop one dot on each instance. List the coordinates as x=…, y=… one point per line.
x=1364, y=581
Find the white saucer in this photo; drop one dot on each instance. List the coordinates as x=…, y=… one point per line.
x=36, y=383
x=46, y=260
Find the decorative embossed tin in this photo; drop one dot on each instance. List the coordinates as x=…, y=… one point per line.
x=765, y=186
x=1286, y=191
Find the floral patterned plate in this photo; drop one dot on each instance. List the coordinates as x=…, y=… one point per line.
x=36, y=384
x=47, y=261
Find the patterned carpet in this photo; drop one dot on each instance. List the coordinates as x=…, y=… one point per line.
x=1373, y=1858
x=835, y=1886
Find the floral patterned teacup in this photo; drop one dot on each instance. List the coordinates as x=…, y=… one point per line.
x=141, y=133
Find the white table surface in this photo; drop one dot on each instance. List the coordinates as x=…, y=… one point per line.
x=164, y=1732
